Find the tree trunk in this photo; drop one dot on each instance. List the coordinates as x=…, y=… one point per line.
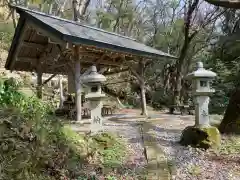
x=41, y=7
x=61, y=92
x=231, y=120
x=60, y=9
x=139, y=74
x=120, y=103
x=142, y=88
x=181, y=61
x=39, y=84
x=50, y=9
x=143, y=99
x=13, y=16
x=26, y=3
x=177, y=90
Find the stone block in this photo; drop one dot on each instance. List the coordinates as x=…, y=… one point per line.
x=201, y=137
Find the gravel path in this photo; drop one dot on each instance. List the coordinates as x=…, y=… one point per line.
x=191, y=163
x=186, y=163
x=136, y=162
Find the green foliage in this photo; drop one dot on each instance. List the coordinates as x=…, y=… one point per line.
x=111, y=148
x=10, y=96
x=225, y=62
x=161, y=99
x=29, y=140
x=36, y=145
x=109, y=177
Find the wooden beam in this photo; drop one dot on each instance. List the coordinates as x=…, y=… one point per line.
x=46, y=33
x=33, y=60
x=100, y=59
x=113, y=52
x=27, y=59
x=33, y=45
x=49, y=79
x=48, y=69
x=52, y=41
x=20, y=41
x=86, y=60
x=103, y=62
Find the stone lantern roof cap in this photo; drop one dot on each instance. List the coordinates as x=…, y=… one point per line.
x=93, y=76
x=201, y=72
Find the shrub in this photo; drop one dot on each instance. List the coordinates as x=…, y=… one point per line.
x=10, y=96
x=36, y=145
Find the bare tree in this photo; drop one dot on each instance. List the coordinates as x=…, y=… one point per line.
x=193, y=24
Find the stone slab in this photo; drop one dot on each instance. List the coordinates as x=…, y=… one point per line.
x=157, y=167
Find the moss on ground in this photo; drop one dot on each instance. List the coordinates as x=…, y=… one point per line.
x=111, y=149
x=230, y=145
x=201, y=137
x=48, y=150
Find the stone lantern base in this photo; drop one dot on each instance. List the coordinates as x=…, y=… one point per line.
x=201, y=137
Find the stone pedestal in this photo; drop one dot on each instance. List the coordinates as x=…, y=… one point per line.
x=201, y=111
x=96, y=116
x=96, y=111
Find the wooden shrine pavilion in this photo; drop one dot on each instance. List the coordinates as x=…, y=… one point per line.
x=47, y=44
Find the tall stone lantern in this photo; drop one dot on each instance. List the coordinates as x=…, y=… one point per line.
x=201, y=91
x=202, y=134
x=94, y=94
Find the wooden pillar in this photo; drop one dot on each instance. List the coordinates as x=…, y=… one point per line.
x=39, y=84
x=78, y=85
x=61, y=92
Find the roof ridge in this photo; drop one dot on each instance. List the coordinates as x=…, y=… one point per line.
x=69, y=21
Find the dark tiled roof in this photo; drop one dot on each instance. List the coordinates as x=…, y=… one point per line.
x=79, y=33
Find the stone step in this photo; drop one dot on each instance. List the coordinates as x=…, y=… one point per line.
x=157, y=167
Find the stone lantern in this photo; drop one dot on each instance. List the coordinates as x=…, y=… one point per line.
x=201, y=92
x=94, y=94
x=201, y=134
